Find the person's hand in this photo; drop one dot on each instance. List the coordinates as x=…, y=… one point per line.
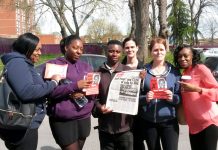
x=169, y=95
x=84, y=84
x=56, y=77
x=105, y=110
x=76, y=95
x=142, y=74
x=149, y=96
x=187, y=87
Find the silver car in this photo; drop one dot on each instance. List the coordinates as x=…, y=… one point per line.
x=212, y=64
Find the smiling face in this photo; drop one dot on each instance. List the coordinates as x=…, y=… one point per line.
x=185, y=57
x=130, y=49
x=74, y=50
x=36, y=53
x=158, y=52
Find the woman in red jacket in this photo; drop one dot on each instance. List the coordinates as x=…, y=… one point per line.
x=199, y=96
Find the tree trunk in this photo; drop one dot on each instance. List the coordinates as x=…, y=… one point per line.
x=153, y=20
x=162, y=4
x=142, y=23
x=133, y=18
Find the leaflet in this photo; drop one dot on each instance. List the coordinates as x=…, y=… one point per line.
x=94, y=88
x=159, y=85
x=55, y=69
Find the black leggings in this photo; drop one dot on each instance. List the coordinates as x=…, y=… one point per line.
x=167, y=131
x=205, y=140
x=29, y=142
x=119, y=141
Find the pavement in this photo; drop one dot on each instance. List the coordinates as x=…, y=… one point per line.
x=46, y=141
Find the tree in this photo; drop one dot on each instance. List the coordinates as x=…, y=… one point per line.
x=162, y=17
x=213, y=30
x=179, y=22
x=140, y=21
x=133, y=18
x=80, y=12
x=196, y=10
x=100, y=29
x=152, y=19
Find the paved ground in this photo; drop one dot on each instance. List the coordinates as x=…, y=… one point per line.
x=46, y=141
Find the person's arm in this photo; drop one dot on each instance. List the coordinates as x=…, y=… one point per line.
x=209, y=86
x=65, y=90
x=176, y=91
x=20, y=77
x=205, y=84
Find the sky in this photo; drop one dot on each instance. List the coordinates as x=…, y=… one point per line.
x=121, y=17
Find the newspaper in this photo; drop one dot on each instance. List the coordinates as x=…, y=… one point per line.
x=123, y=95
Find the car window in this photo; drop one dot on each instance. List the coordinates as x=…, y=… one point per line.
x=93, y=60
x=212, y=64
x=97, y=61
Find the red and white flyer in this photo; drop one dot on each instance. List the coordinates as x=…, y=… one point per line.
x=159, y=85
x=94, y=88
x=55, y=69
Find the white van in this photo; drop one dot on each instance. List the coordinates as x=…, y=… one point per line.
x=210, y=52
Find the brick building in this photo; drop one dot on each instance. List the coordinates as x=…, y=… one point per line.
x=17, y=17
x=15, y=20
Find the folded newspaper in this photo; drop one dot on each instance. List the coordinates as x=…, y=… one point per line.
x=123, y=95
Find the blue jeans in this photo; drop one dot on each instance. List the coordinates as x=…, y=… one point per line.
x=119, y=141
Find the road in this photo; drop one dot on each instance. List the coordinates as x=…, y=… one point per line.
x=46, y=141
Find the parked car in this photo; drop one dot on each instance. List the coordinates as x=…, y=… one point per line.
x=94, y=60
x=212, y=64
x=209, y=52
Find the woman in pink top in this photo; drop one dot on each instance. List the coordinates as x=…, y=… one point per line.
x=199, y=95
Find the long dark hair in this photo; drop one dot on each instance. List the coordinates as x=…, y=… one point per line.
x=196, y=55
x=26, y=44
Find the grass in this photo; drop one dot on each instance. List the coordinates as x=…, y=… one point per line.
x=46, y=57
x=43, y=59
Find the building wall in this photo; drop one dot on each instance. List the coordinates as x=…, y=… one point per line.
x=49, y=38
x=15, y=21
x=7, y=18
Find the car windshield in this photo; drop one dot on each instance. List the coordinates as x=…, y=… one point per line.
x=212, y=64
x=94, y=60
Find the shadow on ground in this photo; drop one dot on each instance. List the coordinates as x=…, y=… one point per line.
x=49, y=148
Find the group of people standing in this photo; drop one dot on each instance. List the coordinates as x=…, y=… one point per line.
x=156, y=121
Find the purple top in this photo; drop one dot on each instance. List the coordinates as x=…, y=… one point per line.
x=60, y=105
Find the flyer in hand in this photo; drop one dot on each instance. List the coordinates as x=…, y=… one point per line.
x=94, y=88
x=55, y=69
x=123, y=95
x=158, y=85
